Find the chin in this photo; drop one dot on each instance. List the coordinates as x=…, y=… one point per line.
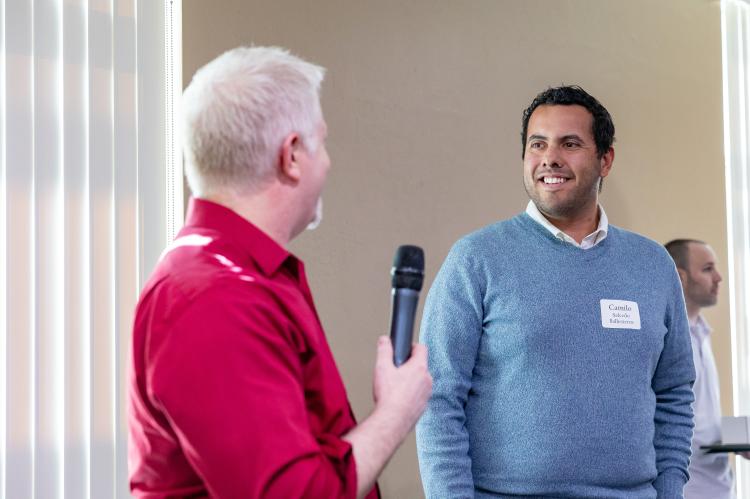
x=558, y=210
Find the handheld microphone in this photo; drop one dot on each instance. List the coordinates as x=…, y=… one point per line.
x=406, y=282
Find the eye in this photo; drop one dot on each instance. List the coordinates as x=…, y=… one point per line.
x=570, y=145
x=536, y=145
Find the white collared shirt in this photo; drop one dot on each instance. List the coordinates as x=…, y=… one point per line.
x=710, y=474
x=588, y=242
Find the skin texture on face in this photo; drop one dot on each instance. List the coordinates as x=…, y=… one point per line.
x=700, y=281
x=314, y=167
x=561, y=167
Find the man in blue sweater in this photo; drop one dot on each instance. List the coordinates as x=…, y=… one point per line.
x=559, y=345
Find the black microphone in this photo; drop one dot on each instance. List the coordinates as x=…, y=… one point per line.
x=406, y=282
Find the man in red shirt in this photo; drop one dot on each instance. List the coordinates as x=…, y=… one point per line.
x=233, y=388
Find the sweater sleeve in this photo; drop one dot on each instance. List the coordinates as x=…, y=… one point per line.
x=451, y=329
x=673, y=386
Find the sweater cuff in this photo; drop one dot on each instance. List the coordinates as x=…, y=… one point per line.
x=669, y=485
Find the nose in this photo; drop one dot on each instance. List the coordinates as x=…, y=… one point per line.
x=551, y=157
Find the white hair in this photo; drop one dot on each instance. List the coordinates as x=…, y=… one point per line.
x=237, y=111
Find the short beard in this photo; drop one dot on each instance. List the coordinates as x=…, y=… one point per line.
x=703, y=300
x=707, y=301
x=559, y=210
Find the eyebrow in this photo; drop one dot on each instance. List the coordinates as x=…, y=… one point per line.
x=571, y=136
x=535, y=137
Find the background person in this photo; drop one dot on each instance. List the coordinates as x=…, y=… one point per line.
x=710, y=474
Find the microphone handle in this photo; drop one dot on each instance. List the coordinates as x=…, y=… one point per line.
x=403, y=310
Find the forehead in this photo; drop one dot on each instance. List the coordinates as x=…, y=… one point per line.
x=558, y=120
x=700, y=254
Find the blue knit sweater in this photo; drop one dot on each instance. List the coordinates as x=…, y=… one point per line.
x=533, y=395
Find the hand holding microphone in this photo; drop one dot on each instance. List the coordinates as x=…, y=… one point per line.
x=402, y=383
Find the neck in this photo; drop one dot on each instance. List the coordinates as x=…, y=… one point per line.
x=262, y=210
x=693, y=311
x=578, y=226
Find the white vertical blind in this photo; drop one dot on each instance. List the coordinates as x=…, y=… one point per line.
x=76, y=250
x=46, y=232
x=19, y=196
x=735, y=19
x=87, y=186
x=173, y=63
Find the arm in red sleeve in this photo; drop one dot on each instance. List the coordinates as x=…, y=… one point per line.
x=229, y=378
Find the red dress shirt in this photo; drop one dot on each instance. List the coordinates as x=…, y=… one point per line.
x=233, y=388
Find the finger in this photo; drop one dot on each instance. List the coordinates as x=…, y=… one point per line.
x=419, y=351
x=385, y=352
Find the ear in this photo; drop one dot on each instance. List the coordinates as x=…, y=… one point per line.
x=683, y=275
x=288, y=166
x=606, y=161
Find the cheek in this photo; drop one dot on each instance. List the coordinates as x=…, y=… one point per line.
x=528, y=167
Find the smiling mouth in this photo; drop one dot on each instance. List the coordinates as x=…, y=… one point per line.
x=553, y=180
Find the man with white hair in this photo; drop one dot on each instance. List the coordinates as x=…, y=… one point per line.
x=233, y=388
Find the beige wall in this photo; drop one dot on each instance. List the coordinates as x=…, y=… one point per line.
x=423, y=100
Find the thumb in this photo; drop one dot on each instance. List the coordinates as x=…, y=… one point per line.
x=385, y=353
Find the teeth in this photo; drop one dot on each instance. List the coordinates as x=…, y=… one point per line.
x=554, y=180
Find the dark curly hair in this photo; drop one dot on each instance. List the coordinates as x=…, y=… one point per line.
x=602, y=127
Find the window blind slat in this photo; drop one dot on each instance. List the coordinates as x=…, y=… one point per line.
x=76, y=249
x=103, y=393
x=48, y=230
x=126, y=219
x=3, y=258
x=20, y=249
x=151, y=132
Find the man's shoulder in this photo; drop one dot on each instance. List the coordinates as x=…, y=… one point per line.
x=490, y=237
x=641, y=251
x=202, y=271
x=633, y=240
x=493, y=245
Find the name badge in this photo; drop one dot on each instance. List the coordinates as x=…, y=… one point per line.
x=620, y=314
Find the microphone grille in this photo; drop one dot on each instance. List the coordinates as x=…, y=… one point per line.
x=408, y=267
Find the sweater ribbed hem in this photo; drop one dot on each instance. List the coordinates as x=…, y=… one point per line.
x=669, y=485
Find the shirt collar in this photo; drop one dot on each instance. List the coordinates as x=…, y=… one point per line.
x=700, y=330
x=588, y=242
x=267, y=253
